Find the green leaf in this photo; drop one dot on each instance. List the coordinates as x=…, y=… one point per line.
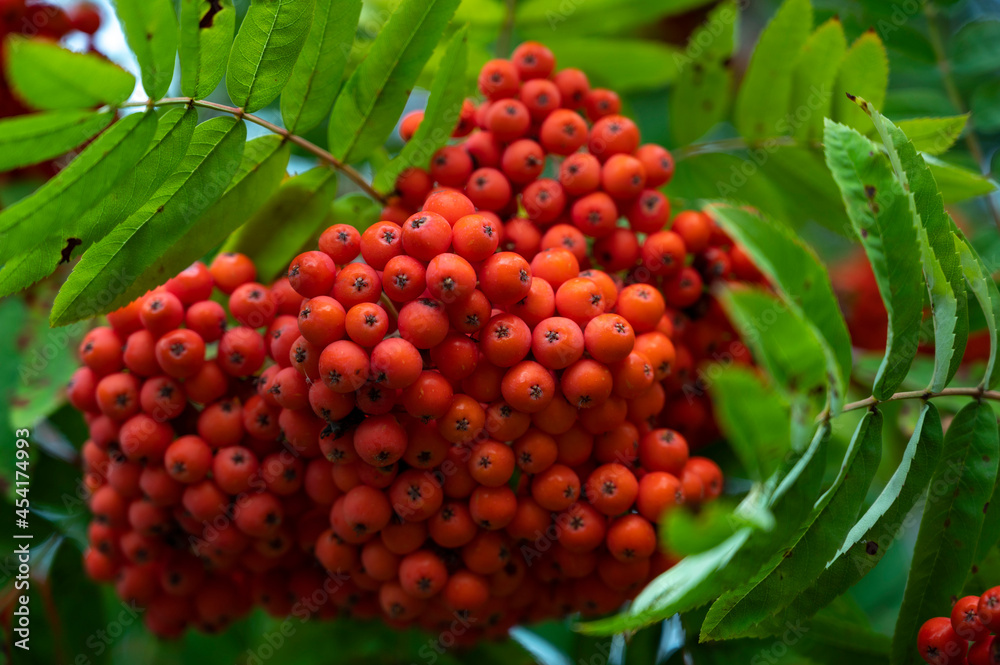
x=56, y=204
x=538, y=19
x=444, y=106
x=991, y=522
x=700, y=99
x=685, y=532
x=173, y=133
x=939, y=257
x=302, y=204
x=108, y=272
x=318, y=73
x=754, y=418
x=880, y=212
x=880, y=526
x=376, y=92
x=206, y=35
x=151, y=29
x=265, y=50
x=628, y=64
x=258, y=176
x=762, y=102
x=49, y=77
x=775, y=585
x=813, y=77
x=355, y=209
x=789, y=494
x=801, y=281
x=985, y=290
x=958, y=184
x=952, y=521
x=782, y=341
x=34, y=138
x=934, y=135
x=985, y=105
x=864, y=72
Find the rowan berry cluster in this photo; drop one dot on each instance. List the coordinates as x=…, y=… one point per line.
x=975, y=620
x=199, y=510
x=478, y=409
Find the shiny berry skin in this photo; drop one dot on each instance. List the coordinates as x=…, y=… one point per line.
x=939, y=644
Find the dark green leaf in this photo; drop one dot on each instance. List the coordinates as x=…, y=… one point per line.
x=444, y=106
x=939, y=257
x=56, y=204
x=206, y=35
x=29, y=139
x=881, y=214
x=801, y=281
x=762, y=102
x=934, y=135
x=813, y=77
x=173, y=133
x=265, y=50
x=775, y=585
x=302, y=204
x=952, y=521
x=109, y=274
x=975, y=51
x=754, y=417
x=878, y=528
x=987, y=430
x=319, y=70
x=48, y=76
x=986, y=293
x=985, y=105
x=151, y=29
x=864, y=72
x=375, y=94
x=258, y=176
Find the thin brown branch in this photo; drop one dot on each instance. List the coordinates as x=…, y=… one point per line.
x=313, y=149
x=925, y=395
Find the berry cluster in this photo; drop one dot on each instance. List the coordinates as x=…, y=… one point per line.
x=975, y=619
x=479, y=408
x=198, y=509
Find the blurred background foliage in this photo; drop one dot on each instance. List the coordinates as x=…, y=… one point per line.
x=679, y=66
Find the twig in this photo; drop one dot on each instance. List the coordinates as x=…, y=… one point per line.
x=869, y=402
x=308, y=146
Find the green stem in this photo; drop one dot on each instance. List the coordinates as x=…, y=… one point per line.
x=506, y=30
x=323, y=155
x=869, y=402
x=971, y=138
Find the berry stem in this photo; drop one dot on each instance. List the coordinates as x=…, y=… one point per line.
x=310, y=147
x=919, y=394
